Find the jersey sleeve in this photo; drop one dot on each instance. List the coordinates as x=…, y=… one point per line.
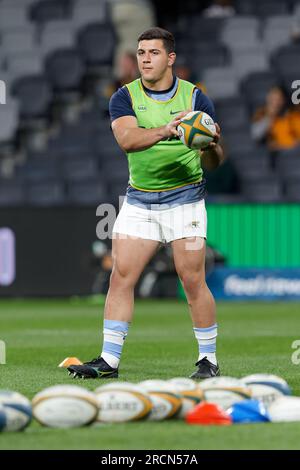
x=203, y=103
x=120, y=104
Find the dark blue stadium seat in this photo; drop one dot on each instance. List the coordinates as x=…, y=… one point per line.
x=46, y=193
x=204, y=55
x=292, y=189
x=34, y=95
x=203, y=29
x=96, y=43
x=238, y=143
x=38, y=169
x=265, y=8
x=47, y=10
x=256, y=86
x=232, y=114
x=11, y=193
x=79, y=168
x=65, y=69
x=262, y=189
x=88, y=192
x=286, y=60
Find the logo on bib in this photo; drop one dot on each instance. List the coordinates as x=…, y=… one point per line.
x=142, y=107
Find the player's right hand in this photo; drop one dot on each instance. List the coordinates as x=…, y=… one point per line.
x=171, y=127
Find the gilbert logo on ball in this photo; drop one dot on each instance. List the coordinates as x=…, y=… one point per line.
x=196, y=130
x=2, y=352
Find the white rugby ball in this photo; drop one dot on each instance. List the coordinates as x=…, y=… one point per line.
x=65, y=406
x=17, y=409
x=196, y=130
x=266, y=387
x=121, y=402
x=166, y=400
x=2, y=418
x=224, y=391
x=285, y=409
x=190, y=392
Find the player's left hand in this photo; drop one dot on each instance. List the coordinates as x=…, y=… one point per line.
x=214, y=143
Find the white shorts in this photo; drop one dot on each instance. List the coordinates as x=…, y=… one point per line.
x=165, y=225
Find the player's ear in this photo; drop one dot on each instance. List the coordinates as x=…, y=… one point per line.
x=172, y=58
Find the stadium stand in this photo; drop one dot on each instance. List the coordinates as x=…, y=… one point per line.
x=50, y=55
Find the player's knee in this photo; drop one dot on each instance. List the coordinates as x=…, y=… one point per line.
x=121, y=277
x=192, y=282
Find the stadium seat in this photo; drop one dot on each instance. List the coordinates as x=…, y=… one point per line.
x=87, y=192
x=9, y=114
x=286, y=60
x=34, y=95
x=242, y=37
x=262, y=190
x=53, y=39
x=265, y=8
x=65, y=69
x=257, y=153
x=11, y=193
x=79, y=168
x=13, y=17
x=38, y=169
x=205, y=55
x=245, y=7
x=203, y=29
x=232, y=114
x=89, y=39
x=255, y=87
x=242, y=23
x=18, y=41
x=292, y=191
x=86, y=13
x=247, y=61
x=48, y=193
x=72, y=141
x=21, y=64
x=244, y=143
x=221, y=82
x=47, y=10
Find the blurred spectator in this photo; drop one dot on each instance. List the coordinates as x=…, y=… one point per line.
x=277, y=123
x=219, y=9
x=127, y=71
x=130, y=18
x=183, y=70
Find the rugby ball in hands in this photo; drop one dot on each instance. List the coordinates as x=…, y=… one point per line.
x=121, y=402
x=65, y=406
x=17, y=409
x=196, y=130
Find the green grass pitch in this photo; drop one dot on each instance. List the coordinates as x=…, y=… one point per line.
x=253, y=337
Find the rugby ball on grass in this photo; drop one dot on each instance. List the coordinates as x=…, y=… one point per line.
x=2, y=418
x=17, y=408
x=266, y=387
x=65, y=406
x=190, y=392
x=121, y=402
x=285, y=409
x=224, y=391
x=165, y=398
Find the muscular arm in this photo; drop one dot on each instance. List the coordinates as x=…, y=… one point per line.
x=212, y=158
x=132, y=138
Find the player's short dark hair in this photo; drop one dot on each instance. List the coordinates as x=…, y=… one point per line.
x=159, y=33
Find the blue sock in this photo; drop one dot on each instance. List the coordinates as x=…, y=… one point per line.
x=207, y=338
x=114, y=333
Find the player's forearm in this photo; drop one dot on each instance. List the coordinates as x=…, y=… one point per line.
x=137, y=139
x=212, y=158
